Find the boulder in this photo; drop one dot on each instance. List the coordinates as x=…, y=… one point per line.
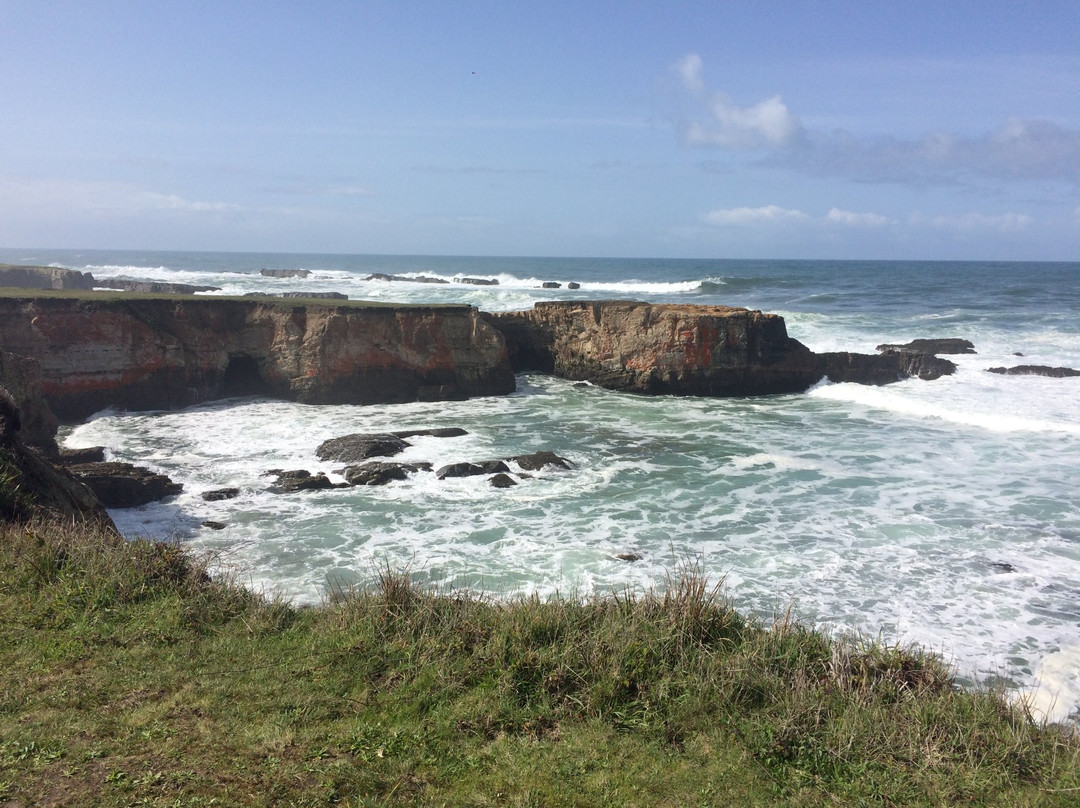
x=1036, y=370
x=502, y=481
x=472, y=469
x=931, y=346
x=288, y=482
x=551, y=285
x=379, y=473
x=440, y=432
x=538, y=460
x=219, y=494
x=210, y=523
x=124, y=485
x=353, y=448
x=573, y=285
x=285, y=273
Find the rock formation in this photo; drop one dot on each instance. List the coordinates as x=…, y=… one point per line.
x=141, y=353
x=21, y=377
x=123, y=485
x=671, y=349
x=1037, y=370
x=27, y=277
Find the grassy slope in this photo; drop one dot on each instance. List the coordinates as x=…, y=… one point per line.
x=127, y=677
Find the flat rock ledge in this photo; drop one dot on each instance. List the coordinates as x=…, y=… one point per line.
x=124, y=485
x=1036, y=370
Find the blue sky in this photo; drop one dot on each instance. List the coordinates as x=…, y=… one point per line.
x=684, y=129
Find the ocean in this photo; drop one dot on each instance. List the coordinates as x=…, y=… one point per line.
x=941, y=513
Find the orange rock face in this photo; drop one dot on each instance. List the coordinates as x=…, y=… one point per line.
x=160, y=353
x=661, y=348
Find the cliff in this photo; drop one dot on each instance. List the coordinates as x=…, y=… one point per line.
x=686, y=350
x=96, y=351
x=27, y=277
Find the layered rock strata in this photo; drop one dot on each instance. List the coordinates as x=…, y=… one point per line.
x=672, y=349
x=143, y=353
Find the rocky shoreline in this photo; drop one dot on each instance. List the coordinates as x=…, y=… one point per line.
x=65, y=357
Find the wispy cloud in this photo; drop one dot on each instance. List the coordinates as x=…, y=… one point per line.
x=766, y=124
x=751, y=217
x=102, y=198
x=1018, y=150
x=774, y=217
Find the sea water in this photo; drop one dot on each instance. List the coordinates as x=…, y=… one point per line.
x=943, y=513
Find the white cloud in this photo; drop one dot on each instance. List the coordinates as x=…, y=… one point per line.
x=976, y=222
x=849, y=219
x=749, y=217
x=690, y=70
x=100, y=198
x=765, y=124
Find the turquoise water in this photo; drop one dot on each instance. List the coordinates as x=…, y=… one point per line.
x=940, y=512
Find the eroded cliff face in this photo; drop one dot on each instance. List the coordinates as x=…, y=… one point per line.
x=158, y=353
x=688, y=350
x=660, y=348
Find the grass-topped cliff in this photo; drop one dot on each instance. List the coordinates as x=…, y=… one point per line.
x=129, y=677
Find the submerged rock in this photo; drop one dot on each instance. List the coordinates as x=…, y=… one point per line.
x=477, y=281
x=124, y=485
x=300, y=480
x=285, y=273
x=947, y=345
x=379, y=473
x=538, y=460
x=356, y=447
x=1036, y=370
x=472, y=469
x=502, y=481
x=210, y=523
x=629, y=556
x=219, y=494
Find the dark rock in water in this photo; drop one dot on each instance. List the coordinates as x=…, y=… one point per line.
x=378, y=473
x=155, y=287
x=1003, y=566
x=1036, y=370
x=123, y=485
x=285, y=273
x=573, y=285
x=92, y=454
x=477, y=281
x=472, y=469
x=886, y=368
x=502, y=481
x=357, y=447
x=552, y=285
x=440, y=432
x=381, y=276
x=538, y=460
x=629, y=556
x=931, y=346
x=1017, y=353
x=219, y=494
x=300, y=480
x=210, y=523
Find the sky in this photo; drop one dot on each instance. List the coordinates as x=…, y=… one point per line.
x=797, y=129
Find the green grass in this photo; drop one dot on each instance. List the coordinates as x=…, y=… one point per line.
x=129, y=677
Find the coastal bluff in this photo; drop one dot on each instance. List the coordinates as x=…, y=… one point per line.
x=96, y=350
x=140, y=353
x=686, y=349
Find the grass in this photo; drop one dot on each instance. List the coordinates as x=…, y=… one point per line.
x=129, y=677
